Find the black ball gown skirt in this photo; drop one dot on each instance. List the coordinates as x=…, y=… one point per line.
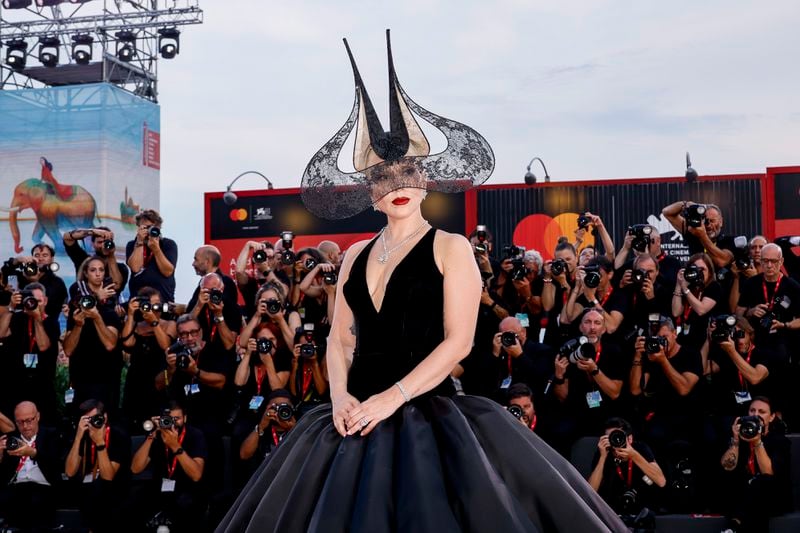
x=437, y=465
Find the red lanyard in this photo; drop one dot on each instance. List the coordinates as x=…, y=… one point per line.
x=767, y=300
x=31, y=335
x=508, y=360
x=661, y=257
x=749, y=354
x=171, y=470
x=686, y=312
x=307, y=375
x=599, y=351
x=212, y=324
x=105, y=441
x=608, y=294
x=259, y=379
x=751, y=461
x=533, y=424
x=630, y=474
x=275, y=437
x=145, y=254
x=25, y=457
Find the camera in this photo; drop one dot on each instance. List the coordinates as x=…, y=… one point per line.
x=617, y=439
x=284, y=411
x=145, y=305
x=166, y=421
x=480, y=233
x=97, y=421
x=287, y=255
x=642, y=237
x=724, y=326
x=583, y=221
x=108, y=245
x=654, y=343
x=310, y=263
x=515, y=410
x=694, y=276
x=29, y=269
x=508, y=338
x=308, y=348
x=694, y=215
x=13, y=443
x=741, y=253
x=629, y=499
x=579, y=349
x=182, y=354
x=215, y=296
x=513, y=252
x=264, y=345
x=273, y=306
x=518, y=269
x=558, y=267
x=780, y=305
x=87, y=301
x=259, y=256
x=592, y=278
x=638, y=276
x=154, y=232
x=330, y=278
x=29, y=301
x=750, y=426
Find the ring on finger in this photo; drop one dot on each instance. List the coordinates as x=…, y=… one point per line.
x=364, y=422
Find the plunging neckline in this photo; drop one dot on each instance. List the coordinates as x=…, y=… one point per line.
x=368, y=250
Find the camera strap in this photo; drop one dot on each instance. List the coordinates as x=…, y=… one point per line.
x=741, y=377
x=767, y=300
x=171, y=469
x=751, y=461
x=630, y=474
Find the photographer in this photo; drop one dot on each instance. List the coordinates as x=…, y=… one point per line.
x=331, y=253
x=697, y=296
x=30, y=466
x=103, y=245
x=270, y=308
x=30, y=345
x=265, y=263
x=645, y=239
x=319, y=292
x=640, y=295
x=152, y=257
x=214, y=306
x=701, y=227
x=90, y=342
x=587, y=379
x=757, y=461
x=98, y=463
x=521, y=396
x=558, y=279
x=626, y=474
x=599, y=229
x=662, y=377
x=593, y=288
x=176, y=454
x=752, y=268
x=274, y=424
x=518, y=359
x=482, y=242
x=308, y=380
x=312, y=309
x=146, y=335
x=43, y=272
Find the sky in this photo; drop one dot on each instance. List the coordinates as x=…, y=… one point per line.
x=597, y=89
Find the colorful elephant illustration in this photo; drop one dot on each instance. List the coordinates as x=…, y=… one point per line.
x=54, y=211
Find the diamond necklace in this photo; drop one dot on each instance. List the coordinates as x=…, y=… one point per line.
x=384, y=257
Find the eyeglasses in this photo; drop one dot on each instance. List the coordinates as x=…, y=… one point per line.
x=190, y=333
x=770, y=261
x=26, y=422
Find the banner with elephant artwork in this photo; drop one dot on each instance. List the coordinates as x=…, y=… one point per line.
x=75, y=157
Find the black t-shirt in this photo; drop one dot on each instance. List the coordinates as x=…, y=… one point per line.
x=230, y=312
x=91, y=363
x=778, y=449
x=533, y=368
x=622, y=476
x=22, y=341
x=723, y=242
x=729, y=381
x=668, y=267
x=55, y=289
x=207, y=402
x=636, y=309
x=610, y=362
x=283, y=363
x=249, y=290
x=118, y=447
x=150, y=275
x=751, y=294
x=694, y=327
x=162, y=459
x=663, y=397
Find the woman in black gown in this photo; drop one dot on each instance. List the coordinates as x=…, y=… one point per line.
x=397, y=451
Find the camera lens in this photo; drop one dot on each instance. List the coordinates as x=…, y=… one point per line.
x=273, y=306
x=259, y=256
x=750, y=426
x=30, y=269
x=97, y=421
x=287, y=257
x=310, y=263
x=166, y=421
x=13, y=443
x=108, y=245
x=516, y=410
x=330, y=278
x=87, y=301
x=617, y=438
x=154, y=232
x=215, y=296
x=508, y=339
x=592, y=279
x=284, y=411
x=182, y=361
x=264, y=345
x=558, y=267
x=30, y=303
x=307, y=350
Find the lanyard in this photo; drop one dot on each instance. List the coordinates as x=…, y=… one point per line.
x=767, y=300
x=146, y=256
x=171, y=470
x=607, y=295
x=259, y=379
x=307, y=375
x=25, y=457
x=276, y=439
x=533, y=424
x=31, y=335
x=661, y=257
x=630, y=474
x=95, y=466
x=751, y=461
x=749, y=354
x=212, y=324
x=599, y=349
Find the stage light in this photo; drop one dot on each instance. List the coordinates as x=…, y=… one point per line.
x=691, y=174
x=48, y=51
x=229, y=197
x=16, y=51
x=169, y=43
x=16, y=4
x=126, y=45
x=82, y=48
x=530, y=177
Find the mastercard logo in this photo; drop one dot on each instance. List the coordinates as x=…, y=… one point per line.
x=541, y=232
x=238, y=215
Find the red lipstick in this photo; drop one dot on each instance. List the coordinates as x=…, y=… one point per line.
x=400, y=201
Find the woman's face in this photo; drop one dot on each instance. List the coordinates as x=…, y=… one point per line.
x=95, y=272
x=568, y=257
x=701, y=265
x=587, y=254
x=394, y=201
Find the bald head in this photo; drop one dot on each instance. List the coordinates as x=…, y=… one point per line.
x=26, y=416
x=206, y=259
x=330, y=251
x=212, y=281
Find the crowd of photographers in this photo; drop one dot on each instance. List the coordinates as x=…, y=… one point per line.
x=680, y=372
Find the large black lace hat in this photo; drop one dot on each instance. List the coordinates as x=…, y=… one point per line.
x=328, y=192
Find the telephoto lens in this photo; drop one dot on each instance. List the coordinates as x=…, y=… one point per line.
x=310, y=263
x=30, y=269
x=330, y=278
x=592, y=278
